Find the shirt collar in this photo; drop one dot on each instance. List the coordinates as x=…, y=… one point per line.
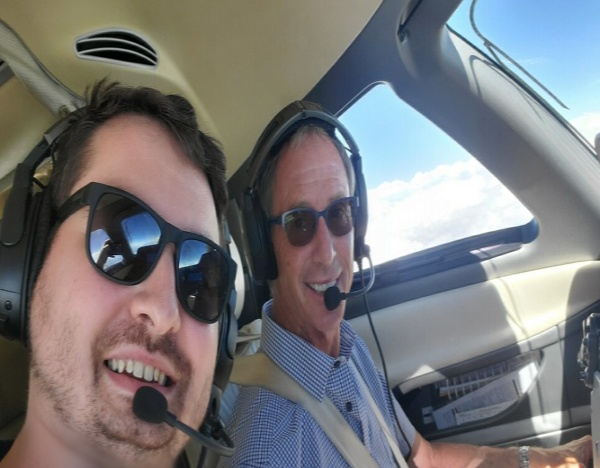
x=309, y=366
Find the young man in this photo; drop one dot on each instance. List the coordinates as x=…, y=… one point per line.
x=308, y=183
x=119, y=302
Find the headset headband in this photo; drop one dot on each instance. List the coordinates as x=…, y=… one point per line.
x=287, y=121
x=20, y=234
x=13, y=222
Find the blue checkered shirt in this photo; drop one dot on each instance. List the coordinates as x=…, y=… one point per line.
x=271, y=431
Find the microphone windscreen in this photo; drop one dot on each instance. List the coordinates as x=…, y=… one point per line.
x=150, y=405
x=333, y=297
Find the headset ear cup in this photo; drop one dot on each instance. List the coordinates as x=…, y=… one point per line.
x=43, y=220
x=258, y=235
x=226, y=347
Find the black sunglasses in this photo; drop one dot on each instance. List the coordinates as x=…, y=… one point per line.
x=300, y=224
x=125, y=238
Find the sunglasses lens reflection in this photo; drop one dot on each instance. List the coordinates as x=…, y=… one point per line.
x=125, y=242
x=340, y=218
x=124, y=238
x=201, y=279
x=301, y=224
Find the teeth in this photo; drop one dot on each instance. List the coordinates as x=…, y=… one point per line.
x=148, y=373
x=321, y=287
x=138, y=370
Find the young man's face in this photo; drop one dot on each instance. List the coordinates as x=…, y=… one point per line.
x=80, y=320
x=310, y=174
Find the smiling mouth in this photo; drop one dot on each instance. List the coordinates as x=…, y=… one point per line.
x=320, y=287
x=138, y=371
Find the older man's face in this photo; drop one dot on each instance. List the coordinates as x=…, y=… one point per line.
x=81, y=320
x=312, y=175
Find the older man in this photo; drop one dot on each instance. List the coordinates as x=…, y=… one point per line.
x=139, y=194
x=307, y=189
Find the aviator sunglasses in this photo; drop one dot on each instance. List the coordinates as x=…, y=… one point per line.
x=300, y=224
x=124, y=241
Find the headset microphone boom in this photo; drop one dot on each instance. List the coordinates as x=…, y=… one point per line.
x=333, y=296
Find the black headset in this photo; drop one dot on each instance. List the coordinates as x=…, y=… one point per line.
x=258, y=232
x=26, y=225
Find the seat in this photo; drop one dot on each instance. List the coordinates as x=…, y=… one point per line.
x=14, y=374
x=248, y=343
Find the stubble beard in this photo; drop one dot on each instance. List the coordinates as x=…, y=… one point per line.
x=93, y=417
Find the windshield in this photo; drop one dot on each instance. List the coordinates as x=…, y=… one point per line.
x=424, y=189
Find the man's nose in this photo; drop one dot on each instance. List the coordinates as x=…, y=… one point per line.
x=155, y=301
x=323, y=251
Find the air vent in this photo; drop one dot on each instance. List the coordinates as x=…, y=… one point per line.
x=121, y=47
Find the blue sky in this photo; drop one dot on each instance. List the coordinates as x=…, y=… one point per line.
x=383, y=125
x=424, y=189
x=557, y=42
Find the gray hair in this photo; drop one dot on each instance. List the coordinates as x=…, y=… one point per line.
x=267, y=178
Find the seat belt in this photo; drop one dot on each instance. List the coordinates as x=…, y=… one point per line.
x=259, y=370
x=384, y=427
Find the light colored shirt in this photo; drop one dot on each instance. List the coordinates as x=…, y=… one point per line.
x=271, y=431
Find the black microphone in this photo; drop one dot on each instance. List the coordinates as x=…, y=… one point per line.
x=151, y=406
x=333, y=296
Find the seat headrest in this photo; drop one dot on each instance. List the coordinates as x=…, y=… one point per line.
x=240, y=286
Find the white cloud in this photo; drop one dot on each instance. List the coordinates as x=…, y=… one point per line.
x=588, y=125
x=450, y=202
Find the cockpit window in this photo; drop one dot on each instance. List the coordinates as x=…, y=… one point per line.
x=424, y=189
x=554, y=41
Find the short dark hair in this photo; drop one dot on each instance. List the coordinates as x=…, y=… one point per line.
x=267, y=178
x=107, y=100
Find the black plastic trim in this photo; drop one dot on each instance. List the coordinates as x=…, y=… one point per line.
x=475, y=249
x=397, y=281
x=5, y=72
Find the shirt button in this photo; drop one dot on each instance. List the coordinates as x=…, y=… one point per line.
x=349, y=407
x=337, y=364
